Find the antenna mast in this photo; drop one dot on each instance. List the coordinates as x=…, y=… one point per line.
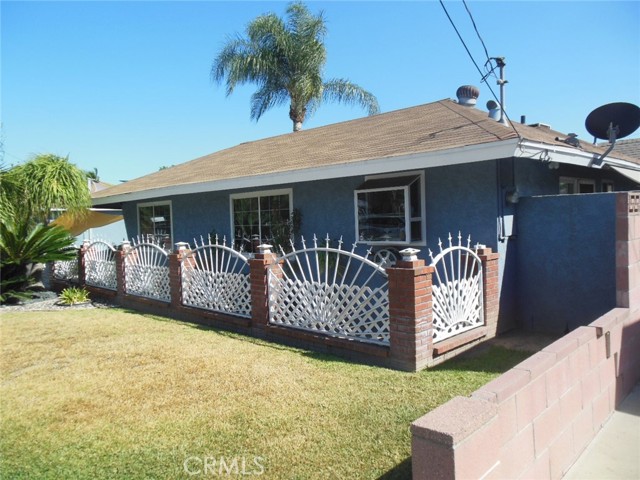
x=501, y=82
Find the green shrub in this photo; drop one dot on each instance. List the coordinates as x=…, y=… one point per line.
x=21, y=247
x=74, y=296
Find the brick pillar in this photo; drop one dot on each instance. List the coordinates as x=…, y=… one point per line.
x=410, y=314
x=81, y=265
x=259, y=267
x=490, y=288
x=120, y=274
x=175, y=273
x=628, y=249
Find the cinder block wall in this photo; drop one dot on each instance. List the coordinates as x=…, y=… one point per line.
x=536, y=419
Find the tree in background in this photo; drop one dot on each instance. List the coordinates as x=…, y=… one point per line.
x=286, y=61
x=28, y=193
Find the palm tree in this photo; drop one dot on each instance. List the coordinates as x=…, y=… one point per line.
x=285, y=60
x=28, y=193
x=32, y=189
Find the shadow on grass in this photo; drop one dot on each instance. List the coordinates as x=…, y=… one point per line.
x=482, y=358
x=402, y=471
x=489, y=359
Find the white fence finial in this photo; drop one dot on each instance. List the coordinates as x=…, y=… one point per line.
x=264, y=248
x=409, y=254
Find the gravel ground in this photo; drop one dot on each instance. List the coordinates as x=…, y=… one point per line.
x=46, y=301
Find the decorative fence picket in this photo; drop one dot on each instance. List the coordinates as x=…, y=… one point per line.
x=100, y=265
x=66, y=270
x=147, y=271
x=216, y=277
x=456, y=290
x=331, y=291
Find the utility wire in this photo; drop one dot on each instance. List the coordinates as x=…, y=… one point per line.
x=483, y=77
x=475, y=27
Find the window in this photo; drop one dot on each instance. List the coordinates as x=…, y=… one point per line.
x=154, y=220
x=570, y=185
x=607, y=186
x=259, y=215
x=390, y=209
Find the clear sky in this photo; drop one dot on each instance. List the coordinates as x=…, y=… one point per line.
x=124, y=87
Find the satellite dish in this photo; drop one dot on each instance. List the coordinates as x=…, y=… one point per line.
x=616, y=120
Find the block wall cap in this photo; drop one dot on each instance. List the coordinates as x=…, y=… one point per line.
x=456, y=420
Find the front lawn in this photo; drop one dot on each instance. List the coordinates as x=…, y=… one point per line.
x=114, y=394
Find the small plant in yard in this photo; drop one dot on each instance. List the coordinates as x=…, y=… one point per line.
x=74, y=296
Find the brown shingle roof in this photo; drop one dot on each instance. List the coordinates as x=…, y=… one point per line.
x=435, y=126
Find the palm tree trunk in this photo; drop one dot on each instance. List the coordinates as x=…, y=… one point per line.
x=297, y=117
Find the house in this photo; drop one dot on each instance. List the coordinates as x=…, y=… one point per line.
x=390, y=181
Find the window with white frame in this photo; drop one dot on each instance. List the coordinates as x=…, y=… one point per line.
x=258, y=214
x=569, y=185
x=390, y=209
x=154, y=221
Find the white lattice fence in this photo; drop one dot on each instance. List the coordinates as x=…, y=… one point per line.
x=146, y=267
x=100, y=265
x=66, y=270
x=456, y=290
x=216, y=277
x=331, y=291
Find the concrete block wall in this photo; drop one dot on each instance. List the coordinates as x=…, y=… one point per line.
x=536, y=419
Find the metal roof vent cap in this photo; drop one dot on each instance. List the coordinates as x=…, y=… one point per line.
x=467, y=95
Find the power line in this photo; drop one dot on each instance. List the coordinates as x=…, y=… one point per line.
x=483, y=77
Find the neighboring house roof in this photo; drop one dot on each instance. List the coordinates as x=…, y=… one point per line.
x=629, y=147
x=445, y=131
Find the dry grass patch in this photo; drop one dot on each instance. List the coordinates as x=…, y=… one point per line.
x=114, y=394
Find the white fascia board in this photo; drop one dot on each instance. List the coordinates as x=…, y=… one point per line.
x=556, y=153
x=569, y=155
x=453, y=156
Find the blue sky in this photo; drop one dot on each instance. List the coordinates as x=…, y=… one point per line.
x=124, y=87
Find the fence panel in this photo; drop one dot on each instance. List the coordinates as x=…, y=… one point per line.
x=100, y=265
x=66, y=270
x=456, y=290
x=147, y=271
x=332, y=291
x=216, y=277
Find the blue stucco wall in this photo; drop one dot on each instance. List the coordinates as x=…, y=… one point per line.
x=565, y=260
x=459, y=197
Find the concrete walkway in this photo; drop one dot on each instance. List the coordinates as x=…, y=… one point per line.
x=615, y=451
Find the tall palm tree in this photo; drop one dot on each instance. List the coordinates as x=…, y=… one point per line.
x=285, y=60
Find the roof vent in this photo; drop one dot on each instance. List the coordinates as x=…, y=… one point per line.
x=494, y=110
x=467, y=95
x=540, y=125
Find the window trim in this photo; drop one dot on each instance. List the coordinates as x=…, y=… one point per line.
x=407, y=200
x=157, y=204
x=257, y=194
x=576, y=181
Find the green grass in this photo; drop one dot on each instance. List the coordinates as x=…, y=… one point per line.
x=114, y=394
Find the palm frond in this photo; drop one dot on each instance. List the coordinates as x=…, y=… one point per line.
x=343, y=91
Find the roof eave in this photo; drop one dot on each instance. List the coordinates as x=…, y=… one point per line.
x=453, y=156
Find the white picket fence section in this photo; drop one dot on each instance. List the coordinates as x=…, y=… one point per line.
x=331, y=291
x=100, y=265
x=216, y=277
x=456, y=289
x=146, y=267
